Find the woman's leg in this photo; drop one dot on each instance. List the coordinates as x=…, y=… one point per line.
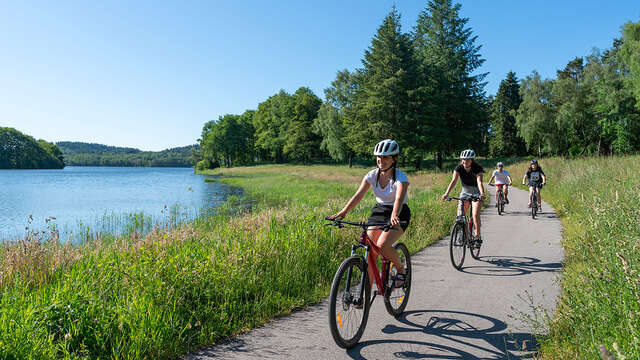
x=385, y=243
x=530, y=195
x=539, y=197
x=505, y=190
x=476, y=217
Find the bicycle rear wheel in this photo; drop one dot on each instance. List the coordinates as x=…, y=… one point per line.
x=396, y=299
x=457, y=245
x=348, y=314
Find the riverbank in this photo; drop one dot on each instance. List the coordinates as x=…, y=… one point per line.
x=597, y=200
x=174, y=291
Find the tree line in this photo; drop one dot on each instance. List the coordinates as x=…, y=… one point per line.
x=21, y=151
x=89, y=154
x=423, y=89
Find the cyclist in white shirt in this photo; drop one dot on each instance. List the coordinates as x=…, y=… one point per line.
x=503, y=181
x=390, y=189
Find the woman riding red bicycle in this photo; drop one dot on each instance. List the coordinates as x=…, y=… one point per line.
x=390, y=189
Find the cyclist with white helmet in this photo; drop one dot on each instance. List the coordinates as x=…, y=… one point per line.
x=470, y=174
x=390, y=189
x=503, y=181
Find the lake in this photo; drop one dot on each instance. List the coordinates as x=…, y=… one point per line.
x=101, y=199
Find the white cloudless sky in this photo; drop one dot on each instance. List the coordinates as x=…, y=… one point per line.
x=150, y=74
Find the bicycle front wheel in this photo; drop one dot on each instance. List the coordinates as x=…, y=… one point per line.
x=457, y=245
x=396, y=299
x=534, y=207
x=500, y=204
x=348, y=312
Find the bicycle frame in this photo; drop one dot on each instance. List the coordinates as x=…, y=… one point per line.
x=380, y=278
x=468, y=222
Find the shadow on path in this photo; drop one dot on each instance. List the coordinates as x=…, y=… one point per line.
x=454, y=326
x=510, y=266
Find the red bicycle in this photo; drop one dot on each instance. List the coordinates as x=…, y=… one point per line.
x=350, y=298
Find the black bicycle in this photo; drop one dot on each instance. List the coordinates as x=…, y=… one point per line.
x=500, y=201
x=461, y=234
x=350, y=298
x=534, y=201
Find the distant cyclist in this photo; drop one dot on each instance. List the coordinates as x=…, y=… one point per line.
x=390, y=188
x=470, y=174
x=503, y=181
x=537, y=179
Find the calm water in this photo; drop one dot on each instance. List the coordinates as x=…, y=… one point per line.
x=101, y=199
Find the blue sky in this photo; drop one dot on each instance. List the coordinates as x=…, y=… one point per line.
x=150, y=74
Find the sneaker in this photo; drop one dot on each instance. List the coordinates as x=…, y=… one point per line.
x=477, y=242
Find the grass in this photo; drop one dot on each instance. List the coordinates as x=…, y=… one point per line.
x=598, y=201
x=174, y=290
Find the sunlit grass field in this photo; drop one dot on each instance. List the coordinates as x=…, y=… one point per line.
x=598, y=200
x=173, y=291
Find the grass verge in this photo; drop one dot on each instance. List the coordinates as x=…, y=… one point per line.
x=598, y=201
x=173, y=291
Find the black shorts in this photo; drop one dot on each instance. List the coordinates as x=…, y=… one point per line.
x=382, y=213
x=535, y=184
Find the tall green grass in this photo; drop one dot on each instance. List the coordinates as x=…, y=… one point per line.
x=174, y=290
x=598, y=200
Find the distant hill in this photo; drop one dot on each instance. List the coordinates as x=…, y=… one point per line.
x=89, y=154
x=21, y=151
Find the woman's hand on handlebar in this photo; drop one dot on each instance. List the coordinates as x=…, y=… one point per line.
x=395, y=220
x=339, y=215
x=444, y=197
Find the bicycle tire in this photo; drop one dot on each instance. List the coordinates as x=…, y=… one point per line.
x=342, y=313
x=534, y=206
x=475, y=251
x=500, y=203
x=396, y=299
x=457, y=245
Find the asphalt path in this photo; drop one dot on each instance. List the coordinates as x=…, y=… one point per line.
x=479, y=312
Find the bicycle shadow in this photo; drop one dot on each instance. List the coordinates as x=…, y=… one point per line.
x=547, y=215
x=454, y=327
x=510, y=266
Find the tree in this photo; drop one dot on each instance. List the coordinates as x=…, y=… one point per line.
x=505, y=140
x=271, y=122
x=382, y=108
x=340, y=99
x=301, y=142
x=536, y=116
x=452, y=96
x=630, y=55
x=227, y=141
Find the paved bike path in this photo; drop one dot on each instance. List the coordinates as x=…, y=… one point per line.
x=476, y=313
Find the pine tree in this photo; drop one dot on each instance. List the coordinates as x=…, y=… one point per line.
x=382, y=106
x=452, y=96
x=505, y=140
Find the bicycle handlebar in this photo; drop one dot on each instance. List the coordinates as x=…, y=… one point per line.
x=386, y=226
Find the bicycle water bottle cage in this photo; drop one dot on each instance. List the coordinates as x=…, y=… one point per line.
x=460, y=219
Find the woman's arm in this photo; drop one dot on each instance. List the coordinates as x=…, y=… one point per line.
x=401, y=193
x=355, y=199
x=524, y=178
x=544, y=179
x=510, y=182
x=454, y=179
x=480, y=185
x=492, y=176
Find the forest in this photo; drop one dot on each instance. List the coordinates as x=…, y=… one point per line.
x=423, y=88
x=89, y=154
x=21, y=151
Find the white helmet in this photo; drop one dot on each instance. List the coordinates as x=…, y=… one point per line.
x=386, y=147
x=500, y=164
x=467, y=154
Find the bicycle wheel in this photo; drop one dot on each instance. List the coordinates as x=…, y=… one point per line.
x=396, y=299
x=457, y=245
x=500, y=203
x=347, y=319
x=534, y=207
x=474, y=248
